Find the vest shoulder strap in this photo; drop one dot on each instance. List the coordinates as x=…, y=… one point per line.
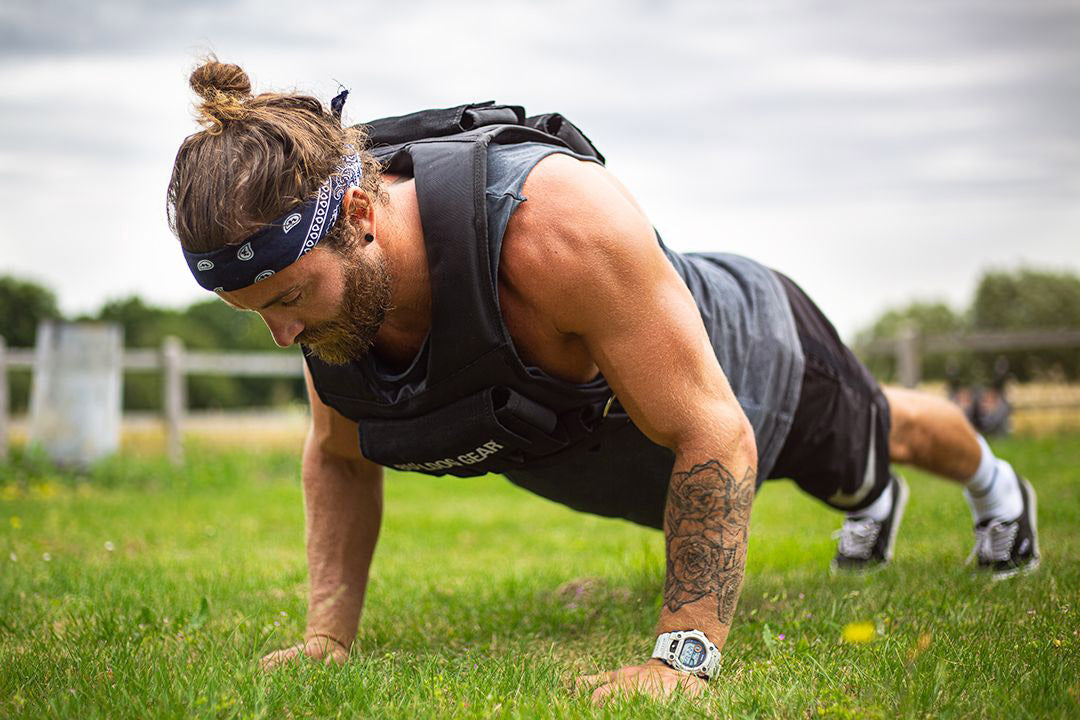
x=450, y=181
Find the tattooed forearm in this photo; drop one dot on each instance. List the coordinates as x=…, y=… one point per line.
x=708, y=510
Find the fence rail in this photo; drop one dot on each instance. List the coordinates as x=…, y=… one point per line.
x=908, y=347
x=242, y=364
x=175, y=363
x=988, y=341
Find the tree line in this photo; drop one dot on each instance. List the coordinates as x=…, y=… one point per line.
x=205, y=325
x=1023, y=299
x=1014, y=300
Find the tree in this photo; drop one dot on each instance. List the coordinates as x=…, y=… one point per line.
x=927, y=318
x=23, y=304
x=238, y=330
x=1024, y=299
x=1031, y=299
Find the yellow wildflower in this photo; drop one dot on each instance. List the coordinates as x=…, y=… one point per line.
x=859, y=632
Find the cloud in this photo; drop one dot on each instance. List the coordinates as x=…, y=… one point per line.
x=848, y=142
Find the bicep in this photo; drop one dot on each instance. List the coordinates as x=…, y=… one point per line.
x=647, y=337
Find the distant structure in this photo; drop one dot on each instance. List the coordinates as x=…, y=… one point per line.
x=76, y=391
x=986, y=406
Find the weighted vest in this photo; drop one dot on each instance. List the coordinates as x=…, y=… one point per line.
x=466, y=405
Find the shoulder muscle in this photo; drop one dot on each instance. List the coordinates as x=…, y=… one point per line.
x=579, y=234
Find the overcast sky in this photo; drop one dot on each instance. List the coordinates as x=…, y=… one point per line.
x=874, y=151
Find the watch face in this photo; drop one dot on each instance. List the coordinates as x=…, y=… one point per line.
x=693, y=653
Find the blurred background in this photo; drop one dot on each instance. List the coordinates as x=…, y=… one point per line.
x=915, y=166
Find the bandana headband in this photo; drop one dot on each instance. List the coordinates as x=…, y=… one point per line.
x=280, y=243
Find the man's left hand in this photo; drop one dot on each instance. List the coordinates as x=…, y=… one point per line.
x=653, y=678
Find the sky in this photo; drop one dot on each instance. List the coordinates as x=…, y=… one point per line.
x=875, y=152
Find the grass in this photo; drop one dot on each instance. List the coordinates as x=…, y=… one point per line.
x=140, y=590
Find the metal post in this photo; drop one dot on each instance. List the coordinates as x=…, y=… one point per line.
x=173, y=396
x=4, y=402
x=908, y=363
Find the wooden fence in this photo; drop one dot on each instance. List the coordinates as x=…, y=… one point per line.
x=909, y=348
x=175, y=363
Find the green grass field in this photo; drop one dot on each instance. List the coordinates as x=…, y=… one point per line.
x=140, y=590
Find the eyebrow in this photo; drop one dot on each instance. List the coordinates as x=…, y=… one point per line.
x=279, y=296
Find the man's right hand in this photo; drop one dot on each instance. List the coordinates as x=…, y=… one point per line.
x=318, y=647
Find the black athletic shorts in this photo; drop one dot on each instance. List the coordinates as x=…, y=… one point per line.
x=838, y=446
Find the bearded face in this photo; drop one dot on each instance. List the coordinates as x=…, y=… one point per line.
x=365, y=302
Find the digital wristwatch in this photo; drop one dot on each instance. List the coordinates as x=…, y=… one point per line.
x=689, y=651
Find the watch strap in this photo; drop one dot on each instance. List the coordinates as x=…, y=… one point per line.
x=712, y=661
x=662, y=651
x=662, y=643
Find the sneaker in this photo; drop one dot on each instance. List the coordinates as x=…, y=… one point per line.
x=867, y=544
x=1004, y=548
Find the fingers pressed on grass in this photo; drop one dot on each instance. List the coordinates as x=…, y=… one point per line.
x=585, y=682
x=280, y=657
x=629, y=686
x=602, y=694
x=653, y=682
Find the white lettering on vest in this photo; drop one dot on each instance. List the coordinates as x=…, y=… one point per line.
x=470, y=458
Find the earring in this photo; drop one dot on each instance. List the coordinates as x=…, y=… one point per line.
x=369, y=238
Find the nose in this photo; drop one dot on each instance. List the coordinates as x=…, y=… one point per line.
x=284, y=331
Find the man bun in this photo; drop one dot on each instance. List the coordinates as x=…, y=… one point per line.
x=257, y=157
x=224, y=89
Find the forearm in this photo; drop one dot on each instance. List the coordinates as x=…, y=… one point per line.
x=343, y=506
x=706, y=525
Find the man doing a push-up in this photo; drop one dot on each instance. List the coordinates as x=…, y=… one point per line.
x=475, y=292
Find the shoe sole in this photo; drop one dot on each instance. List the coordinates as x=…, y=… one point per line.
x=1033, y=520
x=898, y=516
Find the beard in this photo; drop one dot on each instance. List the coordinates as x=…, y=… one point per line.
x=364, y=305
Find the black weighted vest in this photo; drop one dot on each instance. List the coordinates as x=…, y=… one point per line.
x=466, y=405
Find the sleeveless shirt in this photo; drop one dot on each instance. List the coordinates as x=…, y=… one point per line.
x=750, y=327
x=613, y=469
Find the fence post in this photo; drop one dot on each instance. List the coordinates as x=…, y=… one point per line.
x=173, y=396
x=75, y=396
x=4, y=402
x=908, y=362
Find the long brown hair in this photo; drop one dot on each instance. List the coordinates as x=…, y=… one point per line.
x=256, y=157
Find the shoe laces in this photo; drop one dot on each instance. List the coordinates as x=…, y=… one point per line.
x=857, y=537
x=994, y=541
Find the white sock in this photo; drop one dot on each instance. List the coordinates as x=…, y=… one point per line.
x=880, y=508
x=994, y=490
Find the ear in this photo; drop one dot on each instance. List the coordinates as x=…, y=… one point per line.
x=357, y=205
